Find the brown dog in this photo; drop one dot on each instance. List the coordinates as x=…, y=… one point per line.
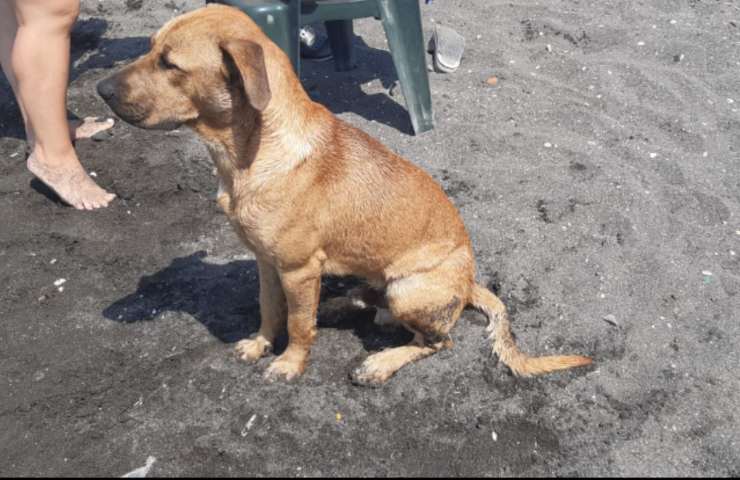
x=312, y=195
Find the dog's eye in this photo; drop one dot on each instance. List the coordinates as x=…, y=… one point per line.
x=166, y=64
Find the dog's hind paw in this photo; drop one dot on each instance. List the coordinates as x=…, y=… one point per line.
x=371, y=374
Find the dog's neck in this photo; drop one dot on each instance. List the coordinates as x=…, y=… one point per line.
x=264, y=145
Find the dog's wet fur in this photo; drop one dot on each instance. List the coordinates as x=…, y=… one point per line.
x=311, y=195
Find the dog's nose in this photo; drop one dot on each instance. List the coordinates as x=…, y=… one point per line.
x=107, y=89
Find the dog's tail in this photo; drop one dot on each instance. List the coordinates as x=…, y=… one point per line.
x=503, y=345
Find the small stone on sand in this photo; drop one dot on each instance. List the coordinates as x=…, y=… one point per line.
x=611, y=319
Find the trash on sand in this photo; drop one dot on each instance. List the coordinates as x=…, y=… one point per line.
x=249, y=425
x=339, y=417
x=708, y=277
x=611, y=319
x=60, y=282
x=494, y=436
x=53, y=261
x=492, y=81
x=142, y=472
x=447, y=47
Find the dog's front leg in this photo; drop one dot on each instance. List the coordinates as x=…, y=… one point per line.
x=273, y=315
x=301, y=287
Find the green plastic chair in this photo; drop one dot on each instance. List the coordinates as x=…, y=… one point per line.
x=281, y=21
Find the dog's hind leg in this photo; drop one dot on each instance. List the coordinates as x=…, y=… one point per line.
x=427, y=304
x=273, y=315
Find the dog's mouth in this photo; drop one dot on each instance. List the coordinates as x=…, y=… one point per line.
x=111, y=93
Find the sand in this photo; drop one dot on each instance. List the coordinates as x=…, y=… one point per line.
x=599, y=179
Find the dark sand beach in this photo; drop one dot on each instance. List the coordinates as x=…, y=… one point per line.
x=599, y=179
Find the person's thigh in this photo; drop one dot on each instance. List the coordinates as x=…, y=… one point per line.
x=49, y=13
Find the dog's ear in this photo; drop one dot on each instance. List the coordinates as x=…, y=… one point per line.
x=245, y=62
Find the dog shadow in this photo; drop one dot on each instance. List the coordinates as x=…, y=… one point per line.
x=224, y=299
x=342, y=92
x=89, y=50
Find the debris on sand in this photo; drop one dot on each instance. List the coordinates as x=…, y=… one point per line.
x=59, y=282
x=142, y=472
x=248, y=426
x=492, y=81
x=494, y=436
x=611, y=319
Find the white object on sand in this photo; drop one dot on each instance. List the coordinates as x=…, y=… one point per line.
x=142, y=472
x=248, y=426
x=60, y=282
x=611, y=319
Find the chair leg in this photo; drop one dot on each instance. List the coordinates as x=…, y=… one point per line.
x=402, y=22
x=341, y=36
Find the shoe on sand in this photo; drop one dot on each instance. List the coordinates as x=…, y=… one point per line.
x=447, y=47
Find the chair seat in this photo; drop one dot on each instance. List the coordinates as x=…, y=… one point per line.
x=313, y=11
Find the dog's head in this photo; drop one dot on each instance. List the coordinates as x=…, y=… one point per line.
x=202, y=67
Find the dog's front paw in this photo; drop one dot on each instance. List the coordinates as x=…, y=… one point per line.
x=253, y=349
x=284, y=369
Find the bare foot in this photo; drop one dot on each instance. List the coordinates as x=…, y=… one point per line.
x=70, y=181
x=88, y=127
